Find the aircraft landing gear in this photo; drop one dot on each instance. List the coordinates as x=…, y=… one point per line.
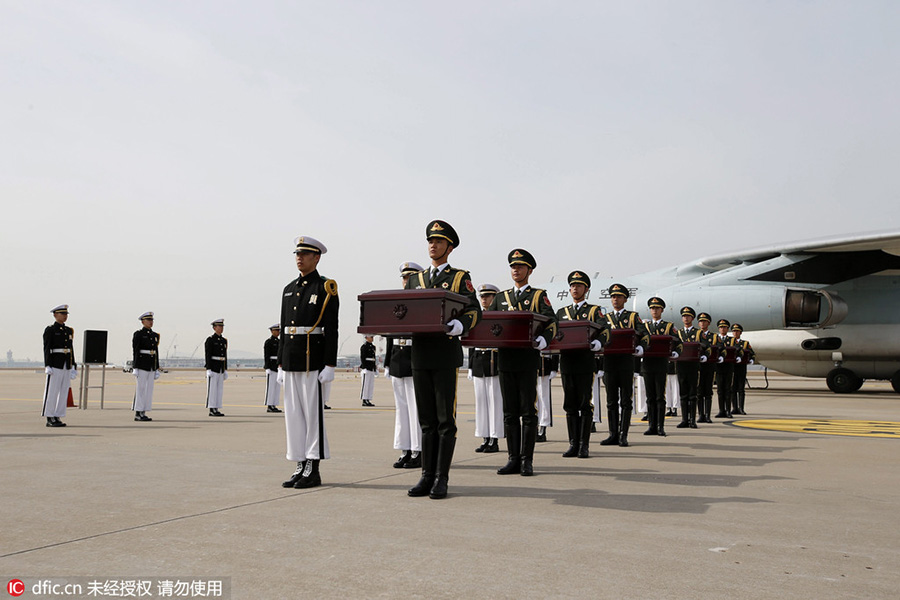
x=843, y=381
x=895, y=382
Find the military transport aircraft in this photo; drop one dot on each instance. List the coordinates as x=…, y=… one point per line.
x=824, y=308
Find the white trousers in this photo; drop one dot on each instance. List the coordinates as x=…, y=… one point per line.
x=640, y=394
x=595, y=397
x=143, y=390
x=368, y=384
x=673, y=395
x=56, y=392
x=273, y=388
x=488, y=408
x=545, y=416
x=407, y=431
x=304, y=421
x=214, y=388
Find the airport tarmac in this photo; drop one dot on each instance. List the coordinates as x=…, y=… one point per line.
x=723, y=511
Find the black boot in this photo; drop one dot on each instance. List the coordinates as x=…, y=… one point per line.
x=484, y=445
x=612, y=418
x=298, y=473
x=693, y=414
x=585, y=438
x=723, y=409
x=572, y=425
x=661, y=420
x=740, y=403
x=653, y=418
x=311, y=476
x=623, y=430
x=404, y=458
x=529, y=436
x=513, y=448
x=446, y=444
x=429, y=465
x=685, y=418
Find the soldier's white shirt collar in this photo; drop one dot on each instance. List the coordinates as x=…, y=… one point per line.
x=579, y=304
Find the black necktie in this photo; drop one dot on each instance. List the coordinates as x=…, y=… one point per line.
x=434, y=273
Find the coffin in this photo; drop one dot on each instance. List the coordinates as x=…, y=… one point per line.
x=405, y=312
x=730, y=354
x=506, y=329
x=714, y=352
x=690, y=352
x=574, y=335
x=660, y=346
x=621, y=341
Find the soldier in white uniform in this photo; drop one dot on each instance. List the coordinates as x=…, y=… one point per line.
x=547, y=371
x=270, y=361
x=484, y=372
x=368, y=366
x=145, y=362
x=216, y=350
x=398, y=367
x=59, y=365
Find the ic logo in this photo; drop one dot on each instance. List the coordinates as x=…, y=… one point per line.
x=15, y=587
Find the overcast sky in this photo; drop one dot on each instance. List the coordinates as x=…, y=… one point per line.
x=163, y=155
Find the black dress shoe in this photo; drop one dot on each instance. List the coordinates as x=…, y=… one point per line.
x=527, y=468
x=54, y=422
x=215, y=413
x=401, y=462
x=645, y=417
x=326, y=407
x=485, y=444
x=415, y=461
x=593, y=428
x=367, y=403
x=513, y=466
x=439, y=490
x=571, y=452
x=298, y=474
x=273, y=409
x=541, y=437
x=492, y=447
x=423, y=488
x=309, y=481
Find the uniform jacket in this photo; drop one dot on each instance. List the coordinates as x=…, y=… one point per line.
x=398, y=357
x=744, y=351
x=581, y=361
x=270, y=354
x=367, y=357
x=627, y=320
x=216, y=348
x=59, y=337
x=306, y=302
x=148, y=340
x=440, y=351
x=483, y=362
x=660, y=365
x=531, y=299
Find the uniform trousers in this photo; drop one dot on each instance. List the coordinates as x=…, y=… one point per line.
x=407, y=431
x=577, y=393
x=519, y=389
x=673, y=393
x=56, y=392
x=215, y=383
x=619, y=385
x=368, y=384
x=436, y=400
x=724, y=381
x=143, y=390
x=655, y=386
x=640, y=394
x=595, y=397
x=545, y=405
x=488, y=407
x=273, y=388
x=737, y=386
x=304, y=422
x=688, y=383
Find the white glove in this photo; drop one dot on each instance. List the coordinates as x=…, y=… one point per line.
x=600, y=374
x=156, y=375
x=134, y=372
x=552, y=374
x=703, y=358
x=721, y=359
x=280, y=376
x=225, y=375
x=387, y=372
x=268, y=371
x=737, y=360
x=208, y=373
x=48, y=370
x=675, y=355
x=596, y=345
x=326, y=375
x=639, y=351
x=73, y=374
x=541, y=342
x=456, y=328
x=469, y=376
x=751, y=361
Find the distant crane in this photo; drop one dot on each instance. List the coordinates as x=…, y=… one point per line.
x=175, y=337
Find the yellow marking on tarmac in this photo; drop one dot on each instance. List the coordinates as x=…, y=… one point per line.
x=879, y=429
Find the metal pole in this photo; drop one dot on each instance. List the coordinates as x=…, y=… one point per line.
x=102, y=386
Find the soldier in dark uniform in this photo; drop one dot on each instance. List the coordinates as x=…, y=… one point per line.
x=746, y=357
x=145, y=362
x=654, y=368
x=270, y=361
x=577, y=368
x=398, y=369
x=307, y=355
x=619, y=368
x=710, y=339
x=725, y=372
x=59, y=365
x=485, y=373
x=519, y=367
x=367, y=367
x=546, y=372
x=689, y=371
x=436, y=359
x=216, y=348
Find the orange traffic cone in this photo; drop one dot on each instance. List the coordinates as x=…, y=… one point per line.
x=70, y=402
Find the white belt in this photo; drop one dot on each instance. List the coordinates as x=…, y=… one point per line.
x=150, y=352
x=403, y=342
x=62, y=350
x=303, y=330
x=273, y=358
x=217, y=357
x=484, y=349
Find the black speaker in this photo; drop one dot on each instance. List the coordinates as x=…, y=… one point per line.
x=94, y=347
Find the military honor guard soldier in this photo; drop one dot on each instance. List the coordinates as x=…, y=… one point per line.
x=307, y=355
x=145, y=362
x=577, y=368
x=547, y=371
x=654, y=368
x=367, y=369
x=746, y=357
x=485, y=374
x=689, y=371
x=725, y=372
x=398, y=368
x=519, y=366
x=270, y=361
x=707, y=370
x=619, y=368
x=436, y=359
x=216, y=349
x=59, y=365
